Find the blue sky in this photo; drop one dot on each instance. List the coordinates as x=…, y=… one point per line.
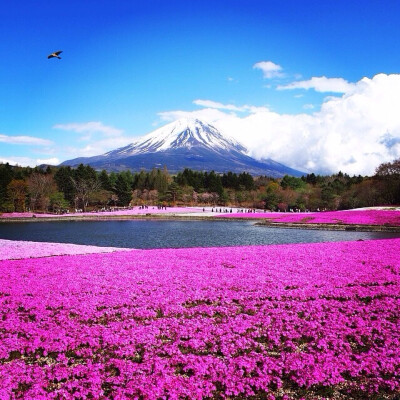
x=128, y=67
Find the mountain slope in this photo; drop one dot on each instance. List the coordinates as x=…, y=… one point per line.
x=183, y=133
x=186, y=143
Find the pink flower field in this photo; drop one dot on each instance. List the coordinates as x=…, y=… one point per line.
x=21, y=249
x=358, y=217
x=302, y=321
x=133, y=211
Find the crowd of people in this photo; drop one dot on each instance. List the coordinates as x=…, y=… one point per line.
x=230, y=210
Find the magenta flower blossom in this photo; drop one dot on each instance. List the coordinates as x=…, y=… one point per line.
x=306, y=321
x=133, y=211
x=12, y=250
x=359, y=217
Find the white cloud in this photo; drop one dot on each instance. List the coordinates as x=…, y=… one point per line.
x=321, y=84
x=24, y=140
x=97, y=147
x=100, y=138
x=217, y=105
x=27, y=161
x=270, y=70
x=229, y=107
x=350, y=133
x=208, y=114
x=205, y=114
x=308, y=106
x=21, y=161
x=51, y=161
x=90, y=127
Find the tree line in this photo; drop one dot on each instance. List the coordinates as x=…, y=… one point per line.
x=58, y=189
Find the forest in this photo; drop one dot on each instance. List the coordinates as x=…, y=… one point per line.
x=60, y=189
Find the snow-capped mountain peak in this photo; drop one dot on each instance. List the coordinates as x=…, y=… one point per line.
x=183, y=133
x=185, y=143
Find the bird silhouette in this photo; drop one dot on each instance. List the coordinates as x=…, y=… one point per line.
x=55, y=54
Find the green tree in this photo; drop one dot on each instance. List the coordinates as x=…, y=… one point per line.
x=64, y=180
x=105, y=181
x=388, y=175
x=58, y=202
x=174, y=191
x=328, y=197
x=6, y=176
x=161, y=182
x=246, y=180
x=310, y=178
x=113, y=179
x=213, y=183
x=123, y=190
x=230, y=180
x=224, y=198
x=271, y=200
x=292, y=182
x=85, y=184
x=140, y=181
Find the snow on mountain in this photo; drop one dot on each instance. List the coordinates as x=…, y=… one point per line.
x=183, y=133
x=185, y=143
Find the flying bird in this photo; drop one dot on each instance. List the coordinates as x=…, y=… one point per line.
x=55, y=54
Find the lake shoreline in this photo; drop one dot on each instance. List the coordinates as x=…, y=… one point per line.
x=261, y=221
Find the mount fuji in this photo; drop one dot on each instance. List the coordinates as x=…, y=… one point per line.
x=185, y=143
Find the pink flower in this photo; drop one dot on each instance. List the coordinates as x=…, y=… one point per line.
x=202, y=322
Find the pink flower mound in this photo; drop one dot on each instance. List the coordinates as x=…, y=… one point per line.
x=367, y=217
x=133, y=211
x=11, y=250
x=286, y=321
x=26, y=215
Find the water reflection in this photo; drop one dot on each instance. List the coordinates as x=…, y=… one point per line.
x=160, y=234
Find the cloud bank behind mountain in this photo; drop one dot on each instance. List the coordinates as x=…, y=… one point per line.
x=353, y=133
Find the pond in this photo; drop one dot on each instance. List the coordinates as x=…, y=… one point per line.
x=146, y=234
